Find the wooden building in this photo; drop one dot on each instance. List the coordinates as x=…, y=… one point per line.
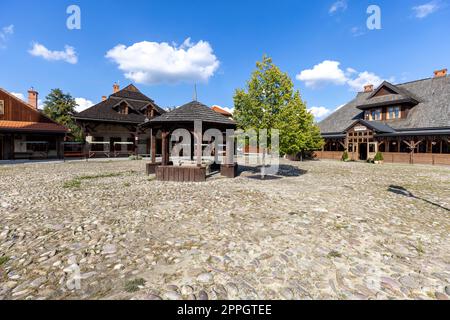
x=111, y=127
x=25, y=133
x=407, y=123
x=196, y=166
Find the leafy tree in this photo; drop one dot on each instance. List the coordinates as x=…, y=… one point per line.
x=270, y=102
x=60, y=107
x=268, y=91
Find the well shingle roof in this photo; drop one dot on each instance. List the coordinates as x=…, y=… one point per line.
x=106, y=111
x=432, y=110
x=191, y=112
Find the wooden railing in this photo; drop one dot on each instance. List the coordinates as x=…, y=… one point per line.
x=395, y=157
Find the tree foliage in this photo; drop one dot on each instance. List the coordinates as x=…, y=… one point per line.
x=60, y=107
x=270, y=102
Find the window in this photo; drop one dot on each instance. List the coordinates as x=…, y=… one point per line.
x=2, y=107
x=376, y=115
x=367, y=115
x=123, y=108
x=394, y=113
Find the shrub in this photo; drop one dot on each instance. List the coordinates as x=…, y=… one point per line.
x=133, y=158
x=345, y=157
x=378, y=157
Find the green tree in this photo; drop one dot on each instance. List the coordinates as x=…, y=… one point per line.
x=60, y=107
x=270, y=102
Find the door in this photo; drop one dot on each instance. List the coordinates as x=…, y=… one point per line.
x=1, y=148
x=363, y=151
x=115, y=147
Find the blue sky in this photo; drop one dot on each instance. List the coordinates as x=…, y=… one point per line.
x=325, y=46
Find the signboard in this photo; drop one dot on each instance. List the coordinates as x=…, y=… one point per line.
x=360, y=128
x=2, y=107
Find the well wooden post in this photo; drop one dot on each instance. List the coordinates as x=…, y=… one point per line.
x=165, y=148
x=153, y=146
x=198, y=134
x=230, y=148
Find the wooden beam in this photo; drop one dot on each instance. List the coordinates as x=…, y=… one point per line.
x=153, y=146
x=165, y=148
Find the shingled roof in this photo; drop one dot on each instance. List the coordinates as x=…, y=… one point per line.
x=432, y=110
x=105, y=110
x=191, y=112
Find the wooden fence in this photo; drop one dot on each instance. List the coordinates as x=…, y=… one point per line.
x=394, y=157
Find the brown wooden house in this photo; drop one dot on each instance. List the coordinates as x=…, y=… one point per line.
x=407, y=123
x=112, y=127
x=25, y=133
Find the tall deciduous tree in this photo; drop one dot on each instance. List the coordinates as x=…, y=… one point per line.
x=60, y=107
x=270, y=102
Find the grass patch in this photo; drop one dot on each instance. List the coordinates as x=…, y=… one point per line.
x=4, y=260
x=76, y=183
x=340, y=226
x=419, y=247
x=133, y=285
x=72, y=184
x=100, y=176
x=334, y=254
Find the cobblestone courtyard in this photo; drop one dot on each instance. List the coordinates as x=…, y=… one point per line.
x=323, y=230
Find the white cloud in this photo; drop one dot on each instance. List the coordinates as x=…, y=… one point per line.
x=18, y=95
x=364, y=78
x=357, y=31
x=323, y=73
x=154, y=63
x=83, y=104
x=329, y=72
x=340, y=5
x=5, y=34
x=425, y=10
x=68, y=55
x=319, y=112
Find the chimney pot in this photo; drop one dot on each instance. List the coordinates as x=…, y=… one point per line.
x=103, y=98
x=368, y=88
x=440, y=73
x=33, y=98
x=116, y=88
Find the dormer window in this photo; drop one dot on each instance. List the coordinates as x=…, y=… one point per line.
x=150, y=113
x=394, y=113
x=375, y=115
x=122, y=108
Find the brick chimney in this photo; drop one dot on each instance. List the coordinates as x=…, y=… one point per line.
x=103, y=98
x=368, y=88
x=33, y=97
x=440, y=73
x=116, y=88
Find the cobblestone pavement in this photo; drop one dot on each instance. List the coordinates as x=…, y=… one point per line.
x=323, y=230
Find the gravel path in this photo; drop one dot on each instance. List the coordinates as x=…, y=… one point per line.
x=323, y=230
